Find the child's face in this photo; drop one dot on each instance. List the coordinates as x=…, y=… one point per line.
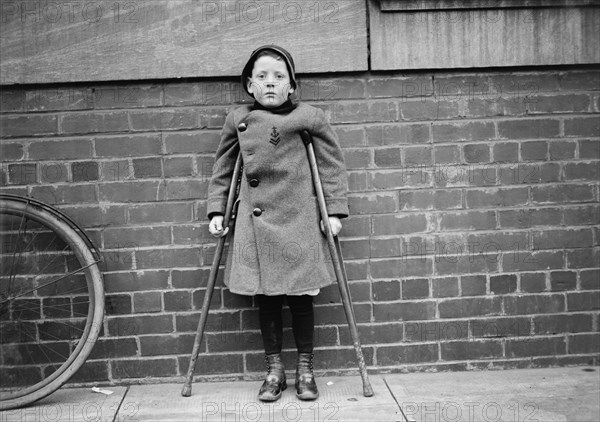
x=270, y=82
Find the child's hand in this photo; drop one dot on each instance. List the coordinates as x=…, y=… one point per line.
x=336, y=225
x=216, y=226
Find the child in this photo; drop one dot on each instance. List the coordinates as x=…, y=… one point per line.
x=278, y=249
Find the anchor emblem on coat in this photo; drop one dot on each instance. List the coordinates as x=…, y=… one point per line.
x=275, y=139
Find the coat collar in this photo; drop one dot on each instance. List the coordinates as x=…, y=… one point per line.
x=284, y=108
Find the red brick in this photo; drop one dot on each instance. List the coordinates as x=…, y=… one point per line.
x=563, y=280
x=357, y=181
x=562, y=150
x=399, y=224
x=218, y=321
x=91, y=372
x=528, y=128
x=473, y=285
x=12, y=99
x=178, y=166
x=503, y=283
x=213, y=92
x=85, y=171
x=584, y=258
x=382, y=248
x=11, y=151
x=584, y=301
x=382, y=135
x=196, y=142
x=583, y=126
x=168, y=345
x=334, y=314
x=558, y=103
x=381, y=111
x=405, y=177
x=29, y=125
x=404, y=87
x=373, y=203
x=496, y=197
x=530, y=173
x=436, y=330
x=558, y=324
x=139, y=325
x=428, y=109
x=534, y=304
x=217, y=364
x=511, y=327
x=534, y=150
x=167, y=258
x=139, y=191
x=151, y=120
x=582, y=171
x=469, y=131
x=584, y=80
x=65, y=194
x=407, y=354
x=386, y=290
x=188, y=189
x=469, y=307
x=559, y=239
x=415, y=288
x=521, y=84
x=128, y=146
x=590, y=279
x=147, y=167
x=86, y=123
x=533, y=282
x=582, y=215
x=584, y=343
x=491, y=107
x=358, y=158
x=444, y=287
x=22, y=174
x=160, y=212
x=529, y=217
x=535, y=347
x=468, y=220
x=430, y=200
x=415, y=156
x=143, y=368
x=136, y=237
x=118, y=96
x=356, y=226
x=506, y=152
x=471, y=350
x=177, y=301
x=351, y=137
x=118, y=304
x=476, y=153
x=134, y=281
x=388, y=157
x=334, y=89
x=114, y=348
x=589, y=149
x=147, y=302
x=532, y=260
x=403, y=267
x=562, y=193
x=373, y=334
x=446, y=154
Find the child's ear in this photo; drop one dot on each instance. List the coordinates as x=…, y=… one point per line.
x=249, y=84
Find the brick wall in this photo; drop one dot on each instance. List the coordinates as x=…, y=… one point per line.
x=473, y=241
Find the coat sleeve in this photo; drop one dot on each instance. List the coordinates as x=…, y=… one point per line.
x=227, y=152
x=332, y=169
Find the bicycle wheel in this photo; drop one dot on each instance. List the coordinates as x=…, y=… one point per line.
x=51, y=300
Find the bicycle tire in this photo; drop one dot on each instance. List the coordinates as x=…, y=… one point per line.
x=82, y=248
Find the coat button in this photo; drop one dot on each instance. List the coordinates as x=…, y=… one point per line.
x=242, y=127
x=254, y=183
x=257, y=212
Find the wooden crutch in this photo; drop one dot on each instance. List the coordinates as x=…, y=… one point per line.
x=214, y=269
x=338, y=264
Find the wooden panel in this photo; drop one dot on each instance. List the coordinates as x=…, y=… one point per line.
x=483, y=38
x=410, y=5
x=79, y=40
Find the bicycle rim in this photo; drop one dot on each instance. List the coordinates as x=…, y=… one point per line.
x=51, y=302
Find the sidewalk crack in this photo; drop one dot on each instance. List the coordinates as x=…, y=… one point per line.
x=116, y=416
x=396, y=400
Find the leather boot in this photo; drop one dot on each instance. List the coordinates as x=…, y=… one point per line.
x=275, y=381
x=306, y=387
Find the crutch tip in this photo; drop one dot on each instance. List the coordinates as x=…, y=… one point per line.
x=186, y=391
x=368, y=391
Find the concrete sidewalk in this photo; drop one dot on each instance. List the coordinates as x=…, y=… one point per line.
x=544, y=395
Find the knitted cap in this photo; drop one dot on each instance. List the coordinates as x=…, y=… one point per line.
x=247, y=72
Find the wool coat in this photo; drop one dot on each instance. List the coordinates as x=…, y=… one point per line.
x=278, y=247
